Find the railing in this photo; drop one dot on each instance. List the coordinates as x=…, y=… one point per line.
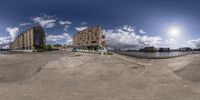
x=156, y=55
x=4, y=52
x=87, y=51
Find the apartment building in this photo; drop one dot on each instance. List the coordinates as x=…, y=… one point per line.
x=32, y=39
x=89, y=39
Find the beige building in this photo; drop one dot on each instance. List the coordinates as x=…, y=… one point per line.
x=32, y=39
x=89, y=39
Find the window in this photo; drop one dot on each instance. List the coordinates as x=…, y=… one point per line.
x=103, y=36
x=94, y=41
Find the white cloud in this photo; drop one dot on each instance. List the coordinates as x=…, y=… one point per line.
x=171, y=41
x=5, y=41
x=65, y=36
x=25, y=24
x=83, y=23
x=12, y=31
x=66, y=27
x=5, y=47
x=194, y=43
x=142, y=31
x=126, y=37
x=68, y=39
x=81, y=28
x=45, y=22
x=65, y=22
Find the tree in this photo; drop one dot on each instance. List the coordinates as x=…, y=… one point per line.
x=58, y=45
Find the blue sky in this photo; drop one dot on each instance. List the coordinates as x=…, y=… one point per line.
x=126, y=23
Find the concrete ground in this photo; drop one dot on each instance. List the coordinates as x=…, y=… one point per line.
x=61, y=75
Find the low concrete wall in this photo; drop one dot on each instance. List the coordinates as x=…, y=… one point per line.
x=90, y=51
x=23, y=50
x=153, y=55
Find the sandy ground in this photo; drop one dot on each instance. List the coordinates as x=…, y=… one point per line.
x=63, y=75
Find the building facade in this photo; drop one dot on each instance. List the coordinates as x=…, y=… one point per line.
x=32, y=39
x=164, y=50
x=149, y=49
x=89, y=39
x=185, y=49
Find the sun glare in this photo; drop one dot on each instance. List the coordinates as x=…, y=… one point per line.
x=174, y=32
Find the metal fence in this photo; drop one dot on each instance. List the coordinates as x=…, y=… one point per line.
x=156, y=55
x=4, y=52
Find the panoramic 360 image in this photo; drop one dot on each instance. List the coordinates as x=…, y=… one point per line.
x=99, y=50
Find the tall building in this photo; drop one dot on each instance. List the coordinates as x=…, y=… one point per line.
x=89, y=39
x=32, y=39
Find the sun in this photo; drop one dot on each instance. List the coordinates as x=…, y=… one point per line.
x=174, y=31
